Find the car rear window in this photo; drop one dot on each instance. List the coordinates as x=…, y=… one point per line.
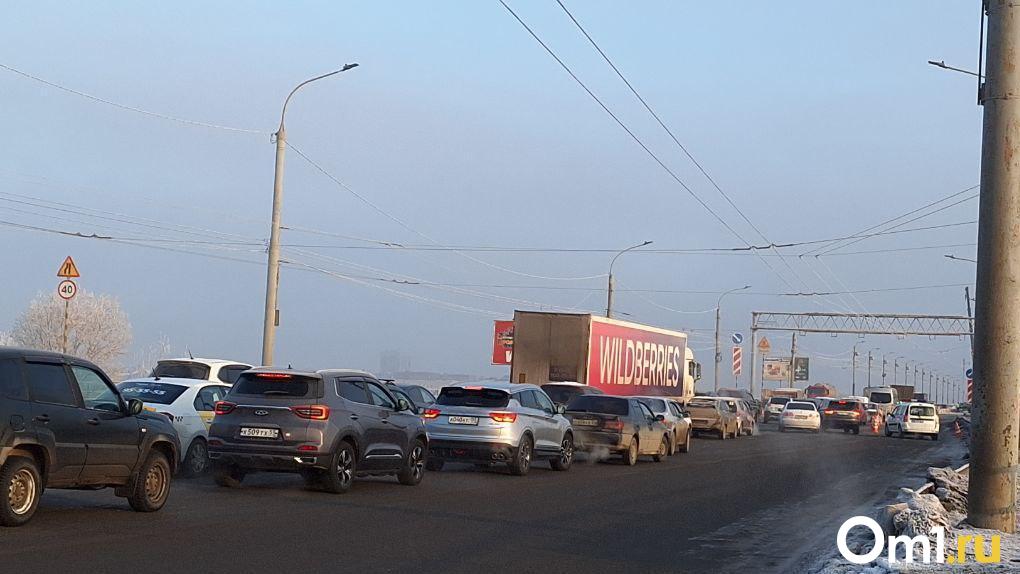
x=844, y=405
x=881, y=398
x=562, y=393
x=181, y=370
x=598, y=404
x=732, y=393
x=800, y=406
x=922, y=411
x=655, y=405
x=701, y=404
x=151, y=392
x=278, y=385
x=778, y=401
x=473, y=397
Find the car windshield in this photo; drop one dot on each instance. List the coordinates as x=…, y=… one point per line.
x=598, y=404
x=778, y=401
x=562, y=393
x=655, y=405
x=880, y=397
x=181, y=370
x=473, y=397
x=277, y=384
x=701, y=404
x=844, y=405
x=151, y=392
x=800, y=406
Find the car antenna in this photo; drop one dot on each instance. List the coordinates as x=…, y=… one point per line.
x=289, y=368
x=190, y=356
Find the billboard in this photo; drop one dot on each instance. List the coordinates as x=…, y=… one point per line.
x=776, y=369
x=629, y=359
x=801, y=371
x=502, y=342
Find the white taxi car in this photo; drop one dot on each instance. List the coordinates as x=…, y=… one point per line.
x=921, y=419
x=189, y=404
x=800, y=415
x=217, y=370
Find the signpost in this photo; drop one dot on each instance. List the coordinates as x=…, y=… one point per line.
x=764, y=346
x=67, y=289
x=737, y=338
x=970, y=384
x=801, y=369
x=737, y=352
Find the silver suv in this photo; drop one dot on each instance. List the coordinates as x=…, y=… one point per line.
x=498, y=423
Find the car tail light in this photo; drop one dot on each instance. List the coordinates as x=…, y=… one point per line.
x=503, y=417
x=308, y=448
x=855, y=414
x=224, y=408
x=215, y=442
x=829, y=411
x=613, y=425
x=430, y=413
x=906, y=417
x=311, y=412
x=787, y=413
x=274, y=376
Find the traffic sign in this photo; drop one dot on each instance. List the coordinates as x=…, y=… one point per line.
x=737, y=352
x=969, y=373
x=67, y=289
x=68, y=269
x=764, y=346
x=737, y=338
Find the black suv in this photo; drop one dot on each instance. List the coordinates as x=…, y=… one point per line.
x=328, y=425
x=65, y=425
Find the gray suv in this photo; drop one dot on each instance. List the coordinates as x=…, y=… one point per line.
x=329, y=426
x=498, y=423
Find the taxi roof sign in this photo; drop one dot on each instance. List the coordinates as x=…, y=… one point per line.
x=68, y=268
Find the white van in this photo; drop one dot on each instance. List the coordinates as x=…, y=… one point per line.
x=921, y=419
x=884, y=399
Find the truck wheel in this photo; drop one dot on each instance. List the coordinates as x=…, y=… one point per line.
x=521, y=463
x=630, y=457
x=20, y=480
x=663, y=449
x=152, y=484
x=566, y=457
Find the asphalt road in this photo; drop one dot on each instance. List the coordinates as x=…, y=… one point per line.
x=762, y=504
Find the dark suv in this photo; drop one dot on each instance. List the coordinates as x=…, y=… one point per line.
x=328, y=425
x=63, y=424
x=618, y=425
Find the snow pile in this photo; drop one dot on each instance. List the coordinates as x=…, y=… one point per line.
x=915, y=515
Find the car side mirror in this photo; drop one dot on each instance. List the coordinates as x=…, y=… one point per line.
x=561, y=409
x=660, y=418
x=403, y=405
x=134, y=407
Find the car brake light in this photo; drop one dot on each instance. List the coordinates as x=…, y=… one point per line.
x=273, y=376
x=829, y=411
x=473, y=388
x=855, y=414
x=430, y=413
x=503, y=417
x=223, y=408
x=311, y=412
x=308, y=448
x=906, y=417
x=613, y=425
x=787, y=413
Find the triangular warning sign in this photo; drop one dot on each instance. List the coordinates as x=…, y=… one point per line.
x=68, y=268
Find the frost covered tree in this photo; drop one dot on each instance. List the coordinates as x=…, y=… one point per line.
x=97, y=328
x=6, y=340
x=145, y=360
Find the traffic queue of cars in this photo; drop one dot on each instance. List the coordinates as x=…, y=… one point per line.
x=850, y=414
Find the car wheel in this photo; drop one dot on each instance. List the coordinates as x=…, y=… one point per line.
x=782, y=428
x=673, y=448
x=152, y=484
x=434, y=464
x=900, y=433
x=342, y=467
x=566, y=457
x=521, y=463
x=856, y=430
x=935, y=436
x=227, y=475
x=687, y=443
x=414, y=466
x=196, y=461
x=887, y=431
x=631, y=456
x=663, y=449
x=737, y=433
x=20, y=479
x=722, y=433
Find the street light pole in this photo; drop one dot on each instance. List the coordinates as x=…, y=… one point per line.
x=272, y=314
x=718, y=353
x=609, y=290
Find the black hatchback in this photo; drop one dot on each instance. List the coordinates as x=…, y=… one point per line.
x=329, y=426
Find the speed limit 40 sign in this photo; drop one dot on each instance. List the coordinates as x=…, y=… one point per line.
x=67, y=289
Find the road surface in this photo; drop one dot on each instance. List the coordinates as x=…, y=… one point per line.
x=763, y=504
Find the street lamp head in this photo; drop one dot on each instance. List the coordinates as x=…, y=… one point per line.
x=349, y=66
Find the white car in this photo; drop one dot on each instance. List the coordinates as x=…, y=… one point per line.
x=800, y=415
x=913, y=418
x=189, y=404
x=216, y=370
x=675, y=419
x=774, y=407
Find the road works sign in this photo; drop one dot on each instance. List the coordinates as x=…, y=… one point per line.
x=68, y=269
x=764, y=346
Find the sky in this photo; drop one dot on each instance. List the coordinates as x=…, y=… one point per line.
x=818, y=120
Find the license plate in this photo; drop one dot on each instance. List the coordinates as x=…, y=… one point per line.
x=463, y=420
x=800, y=417
x=586, y=422
x=259, y=432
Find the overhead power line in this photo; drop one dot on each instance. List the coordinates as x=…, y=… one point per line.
x=130, y=108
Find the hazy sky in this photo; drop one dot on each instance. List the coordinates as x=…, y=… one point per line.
x=818, y=119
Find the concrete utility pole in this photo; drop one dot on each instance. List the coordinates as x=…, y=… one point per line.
x=609, y=289
x=272, y=313
x=869, y=368
x=718, y=352
x=993, y=450
x=793, y=356
x=853, y=372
